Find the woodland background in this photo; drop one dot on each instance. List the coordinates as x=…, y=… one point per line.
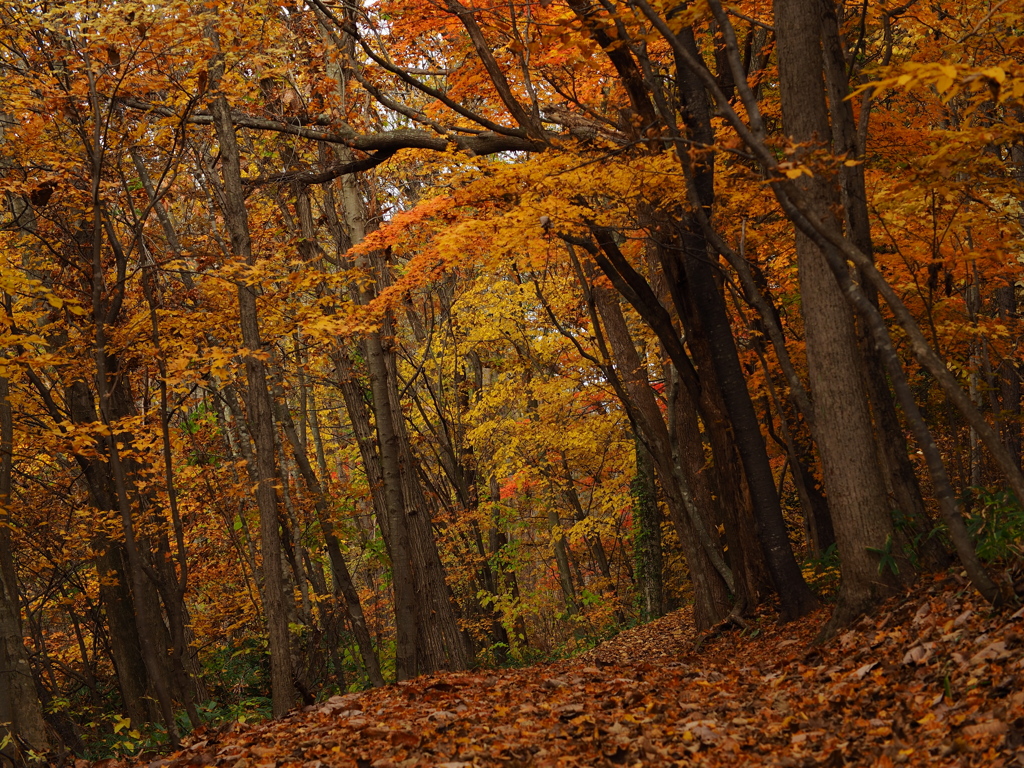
x=345, y=342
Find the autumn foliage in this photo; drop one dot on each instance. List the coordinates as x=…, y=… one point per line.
x=347, y=343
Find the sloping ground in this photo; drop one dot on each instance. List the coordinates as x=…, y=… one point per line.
x=932, y=680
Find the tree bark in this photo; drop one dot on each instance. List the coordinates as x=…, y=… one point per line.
x=857, y=499
x=21, y=714
x=647, y=556
x=342, y=579
x=260, y=418
x=703, y=292
x=712, y=579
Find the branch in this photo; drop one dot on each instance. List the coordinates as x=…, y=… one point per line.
x=529, y=122
x=635, y=289
x=404, y=74
x=241, y=120
x=484, y=143
x=326, y=174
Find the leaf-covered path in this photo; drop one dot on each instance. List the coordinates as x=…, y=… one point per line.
x=932, y=680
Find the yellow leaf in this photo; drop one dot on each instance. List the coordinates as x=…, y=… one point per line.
x=996, y=73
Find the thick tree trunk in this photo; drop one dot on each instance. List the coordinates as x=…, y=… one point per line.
x=893, y=454
x=112, y=571
x=441, y=643
x=856, y=493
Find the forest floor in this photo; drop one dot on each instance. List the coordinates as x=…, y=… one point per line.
x=932, y=679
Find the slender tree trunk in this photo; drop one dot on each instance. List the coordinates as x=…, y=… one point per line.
x=1009, y=377
x=712, y=579
x=565, y=580
x=498, y=539
x=21, y=714
x=703, y=292
x=647, y=536
x=342, y=579
x=403, y=570
x=260, y=417
x=817, y=518
x=429, y=637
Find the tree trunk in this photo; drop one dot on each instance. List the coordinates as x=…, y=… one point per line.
x=647, y=536
x=21, y=714
x=703, y=292
x=712, y=579
x=893, y=455
x=342, y=579
x=857, y=499
x=260, y=418
x=1009, y=377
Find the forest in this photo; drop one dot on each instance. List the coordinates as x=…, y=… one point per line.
x=350, y=341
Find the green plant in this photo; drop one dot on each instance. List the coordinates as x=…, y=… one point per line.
x=886, y=559
x=997, y=526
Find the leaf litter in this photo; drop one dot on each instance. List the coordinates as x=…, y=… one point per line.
x=932, y=679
